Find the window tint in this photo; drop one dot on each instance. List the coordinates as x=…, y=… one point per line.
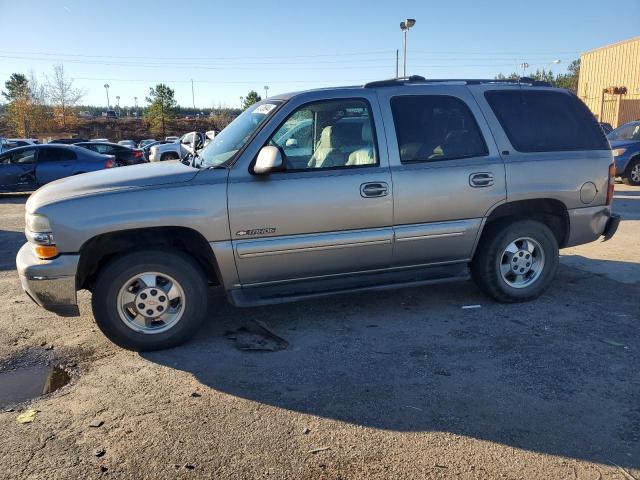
x=435, y=127
x=329, y=134
x=5, y=158
x=24, y=156
x=56, y=155
x=546, y=121
x=630, y=131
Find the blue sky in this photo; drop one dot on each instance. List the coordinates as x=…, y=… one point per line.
x=228, y=48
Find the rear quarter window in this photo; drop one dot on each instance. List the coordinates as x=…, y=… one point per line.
x=546, y=121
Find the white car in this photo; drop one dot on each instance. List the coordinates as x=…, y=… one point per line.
x=127, y=143
x=179, y=149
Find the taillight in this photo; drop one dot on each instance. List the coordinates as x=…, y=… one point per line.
x=137, y=153
x=110, y=163
x=612, y=182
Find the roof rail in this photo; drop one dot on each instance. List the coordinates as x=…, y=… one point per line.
x=467, y=81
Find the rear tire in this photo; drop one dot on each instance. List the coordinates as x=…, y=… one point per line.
x=169, y=286
x=169, y=156
x=632, y=175
x=515, y=261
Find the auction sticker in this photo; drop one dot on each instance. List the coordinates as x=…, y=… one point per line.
x=266, y=108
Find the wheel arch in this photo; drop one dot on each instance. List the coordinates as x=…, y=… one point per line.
x=549, y=211
x=99, y=250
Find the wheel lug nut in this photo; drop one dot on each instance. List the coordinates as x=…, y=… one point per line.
x=153, y=292
x=160, y=308
x=141, y=306
x=162, y=298
x=520, y=254
x=143, y=296
x=149, y=312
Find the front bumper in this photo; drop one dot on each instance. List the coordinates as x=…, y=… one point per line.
x=49, y=283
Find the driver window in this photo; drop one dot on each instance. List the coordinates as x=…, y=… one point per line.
x=329, y=134
x=24, y=157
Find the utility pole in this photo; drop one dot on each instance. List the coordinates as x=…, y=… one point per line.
x=193, y=95
x=524, y=66
x=397, y=55
x=266, y=91
x=118, y=100
x=135, y=101
x=106, y=87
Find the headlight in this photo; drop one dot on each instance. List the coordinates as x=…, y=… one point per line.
x=37, y=223
x=619, y=151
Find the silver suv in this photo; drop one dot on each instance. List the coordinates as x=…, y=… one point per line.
x=396, y=183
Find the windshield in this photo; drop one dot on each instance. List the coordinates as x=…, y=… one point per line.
x=232, y=138
x=630, y=131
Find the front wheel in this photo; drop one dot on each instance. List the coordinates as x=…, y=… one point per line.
x=515, y=262
x=632, y=175
x=150, y=300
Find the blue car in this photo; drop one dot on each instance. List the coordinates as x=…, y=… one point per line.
x=625, y=143
x=25, y=169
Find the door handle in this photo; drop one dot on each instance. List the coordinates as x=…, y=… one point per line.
x=374, y=189
x=481, y=179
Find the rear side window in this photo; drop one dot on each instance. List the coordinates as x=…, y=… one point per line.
x=56, y=155
x=431, y=128
x=546, y=121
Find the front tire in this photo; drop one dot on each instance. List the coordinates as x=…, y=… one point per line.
x=632, y=175
x=150, y=300
x=515, y=262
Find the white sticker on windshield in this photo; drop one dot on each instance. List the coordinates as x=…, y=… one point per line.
x=266, y=108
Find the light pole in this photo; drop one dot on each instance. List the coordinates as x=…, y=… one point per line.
x=118, y=100
x=524, y=66
x=266, y=91
x=135, y=102
x=193, y=95
x=106, y=87
x=405, y=26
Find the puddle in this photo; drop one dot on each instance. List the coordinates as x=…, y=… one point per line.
x=24, y=383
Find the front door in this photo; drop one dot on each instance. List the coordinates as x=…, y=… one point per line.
x=17, y=170
x=55, y=163
x=447, y=172
x=329, y=211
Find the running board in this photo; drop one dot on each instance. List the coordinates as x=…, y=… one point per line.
x=309, y=289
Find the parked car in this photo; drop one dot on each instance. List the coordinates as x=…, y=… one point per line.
x=23, y=142
x=110, y=114
x=123, y=155
x=185, y=145
x=606, y=127
x=128, y=143
x=443, y=179
x=27, y=168
x=69, y=141
x=99, y=140
x=6, y=145
x=625, y=143
x=145, y=142
x=171, y=138
x=146, y=150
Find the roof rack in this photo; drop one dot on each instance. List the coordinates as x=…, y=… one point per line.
x=467, y=81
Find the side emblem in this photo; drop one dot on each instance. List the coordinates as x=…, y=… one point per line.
x=256, y=231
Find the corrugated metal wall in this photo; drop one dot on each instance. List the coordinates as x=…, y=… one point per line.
x=616, y=65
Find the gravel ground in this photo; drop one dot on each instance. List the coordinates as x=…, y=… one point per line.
x=398, y=384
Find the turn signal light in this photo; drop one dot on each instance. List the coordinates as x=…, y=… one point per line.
x=612, y=182
x=46, y=251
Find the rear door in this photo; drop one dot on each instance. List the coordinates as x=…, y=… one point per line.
x=17, y=170
x=54, y=163
x=447, y=172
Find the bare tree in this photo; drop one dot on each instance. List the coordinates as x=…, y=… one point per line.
x=62, y=94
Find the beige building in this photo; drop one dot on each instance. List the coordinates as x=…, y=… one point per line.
x=616, y=65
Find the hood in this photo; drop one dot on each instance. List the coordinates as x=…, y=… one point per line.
x=111, y=179
x=623, y=143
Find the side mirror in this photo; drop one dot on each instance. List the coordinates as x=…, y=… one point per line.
x=269, y=160
x=291, y=142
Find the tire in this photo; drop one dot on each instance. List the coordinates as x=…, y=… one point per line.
x=169, y=156
x=492, y=258
x=632, y=174
x=183, y=315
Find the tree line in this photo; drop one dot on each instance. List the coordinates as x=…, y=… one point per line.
x=567, y=80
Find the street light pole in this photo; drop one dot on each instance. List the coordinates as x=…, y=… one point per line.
x=135, y=101
x=106, y=87
x=405, y=26
x=524, y=66
x=193, y=95
x=118, y=100
x=266, y=91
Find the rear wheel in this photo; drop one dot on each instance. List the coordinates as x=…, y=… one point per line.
x=632, y=175
x=516, y=261
x=169, y=156
x=150, y=300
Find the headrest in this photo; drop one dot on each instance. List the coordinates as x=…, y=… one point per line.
x=367, y=134
x=329, y=137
